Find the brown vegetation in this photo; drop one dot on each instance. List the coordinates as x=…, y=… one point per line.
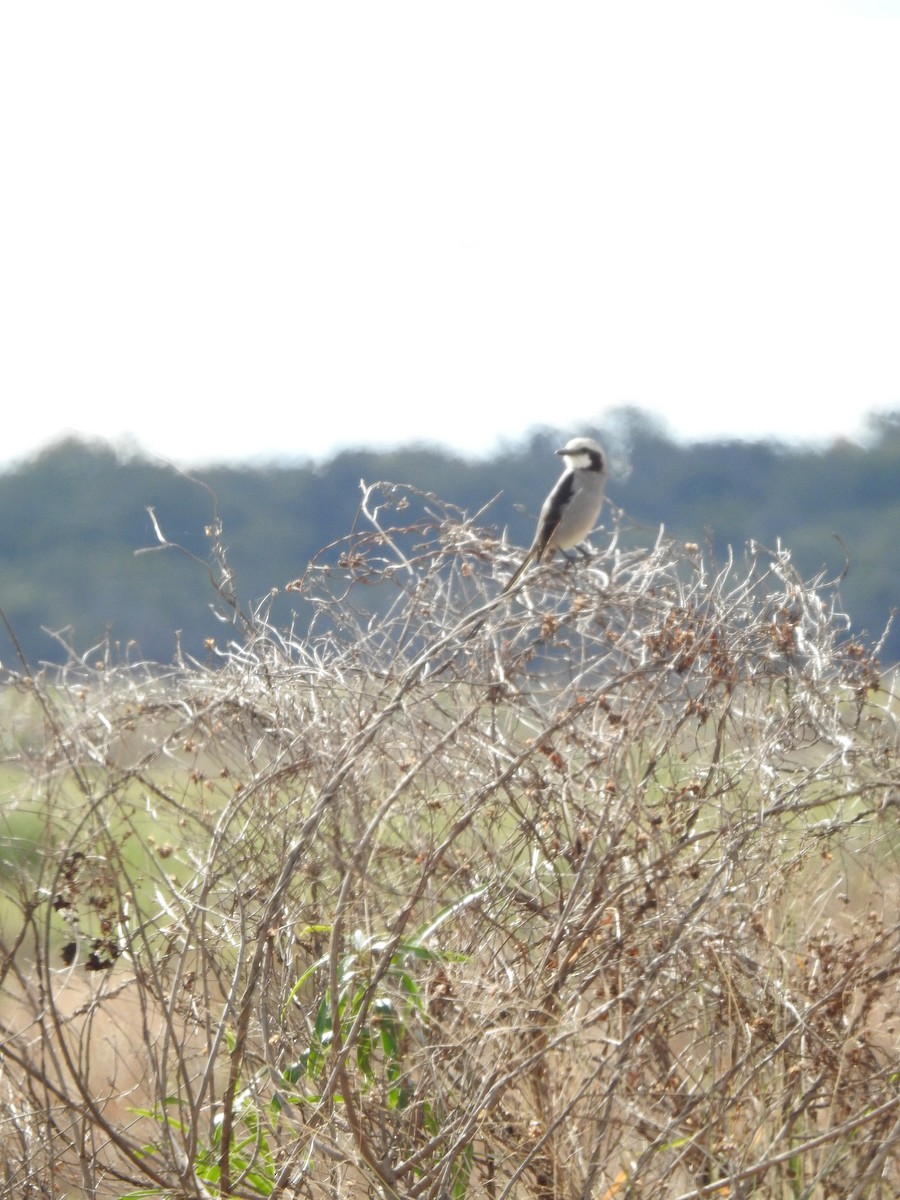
x=586, y=893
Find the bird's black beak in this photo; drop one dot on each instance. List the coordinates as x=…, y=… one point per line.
x=560, y=451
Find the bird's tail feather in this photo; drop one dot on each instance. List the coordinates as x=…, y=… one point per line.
x=520, y=570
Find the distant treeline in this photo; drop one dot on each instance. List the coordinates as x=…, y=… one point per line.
x=73, y=517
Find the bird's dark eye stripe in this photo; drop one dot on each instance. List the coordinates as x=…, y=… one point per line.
x=596, y=460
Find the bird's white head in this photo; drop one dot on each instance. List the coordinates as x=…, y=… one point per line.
x=583, y=454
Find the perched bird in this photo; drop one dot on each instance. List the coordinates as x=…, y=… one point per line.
x=571, y=510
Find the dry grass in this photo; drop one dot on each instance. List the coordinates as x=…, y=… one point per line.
x=587, y=893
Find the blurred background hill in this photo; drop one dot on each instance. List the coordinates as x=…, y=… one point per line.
x=74, y=516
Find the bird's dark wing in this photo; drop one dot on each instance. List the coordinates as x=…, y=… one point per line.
x=552, y=511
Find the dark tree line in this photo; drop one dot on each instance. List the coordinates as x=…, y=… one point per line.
x=74, y=516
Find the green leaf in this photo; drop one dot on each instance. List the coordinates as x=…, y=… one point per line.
x=445, y=914
x=461, y=1172
x=364, y=1053
x=323, y=1018
x=317, y=965
x=308, y=929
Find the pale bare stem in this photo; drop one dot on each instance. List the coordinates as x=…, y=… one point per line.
x=218, y=570
x=585, y=890
x=370, y=512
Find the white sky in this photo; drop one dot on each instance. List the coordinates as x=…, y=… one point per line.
x=233, y=231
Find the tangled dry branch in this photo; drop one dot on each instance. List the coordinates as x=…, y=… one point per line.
x=582, y=891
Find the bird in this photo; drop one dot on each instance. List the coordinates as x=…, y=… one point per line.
x=571, y=510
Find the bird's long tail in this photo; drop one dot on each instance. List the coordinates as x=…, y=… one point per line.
x=520, y=570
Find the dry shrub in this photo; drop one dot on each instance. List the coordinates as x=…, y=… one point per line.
x=585, y=892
